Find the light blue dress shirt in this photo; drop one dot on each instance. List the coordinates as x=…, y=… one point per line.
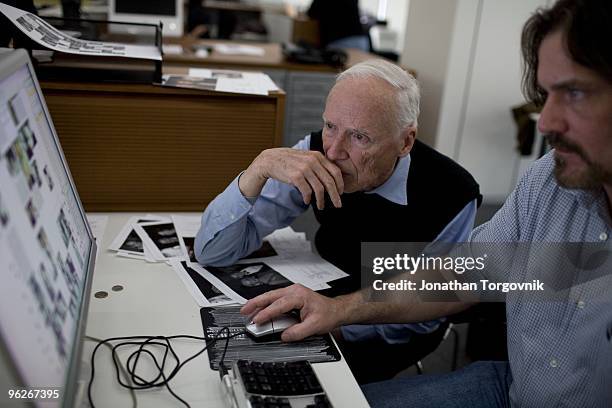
x=560, y=353
x=233, y=226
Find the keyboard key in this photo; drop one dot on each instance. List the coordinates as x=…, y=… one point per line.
x=279, y=379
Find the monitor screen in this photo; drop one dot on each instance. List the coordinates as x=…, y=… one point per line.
x=152, y=7
x=46, y=246
x=168, y=12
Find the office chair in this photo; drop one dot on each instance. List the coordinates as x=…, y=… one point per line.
x=486, y=338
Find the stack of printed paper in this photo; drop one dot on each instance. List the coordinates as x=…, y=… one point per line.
x=254, y=83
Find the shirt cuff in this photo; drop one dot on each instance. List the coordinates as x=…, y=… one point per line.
x=229, y=207
x=249, y=199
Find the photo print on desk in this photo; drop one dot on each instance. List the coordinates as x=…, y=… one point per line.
x=251, y=279
x=187, y=227
x=128, y=243
x=203, y=291
x=187, y=244
x=185, y=81
x=133, y=243
x=161, y=238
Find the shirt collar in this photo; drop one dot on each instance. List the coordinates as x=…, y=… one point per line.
x=394, y=189
x=592, y=200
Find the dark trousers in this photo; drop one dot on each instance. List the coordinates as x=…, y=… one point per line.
x=376, y=360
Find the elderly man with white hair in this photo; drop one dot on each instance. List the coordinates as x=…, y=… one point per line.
x=367, y=178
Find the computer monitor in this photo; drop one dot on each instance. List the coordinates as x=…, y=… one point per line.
x=47, y=250
x=169, y=12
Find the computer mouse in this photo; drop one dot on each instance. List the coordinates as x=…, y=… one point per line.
x=274, y=326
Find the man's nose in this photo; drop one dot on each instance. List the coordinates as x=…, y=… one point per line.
x=552, y=118
x=337, y=149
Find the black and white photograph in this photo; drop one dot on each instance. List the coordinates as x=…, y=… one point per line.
x=189, y=243
x=226, y=74
x=184, y=81
x=213, y=295
x=129, y=243
x=250, y=280
x=163, y=237
x=132, y=243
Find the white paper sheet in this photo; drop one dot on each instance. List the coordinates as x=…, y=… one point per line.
x=186, y=226
x=308, y=269
x=132, y=255
x=48, y=36
x=226, y=290
x=297, y=262
x=172, y=49
x=257, y=83
x=239, y=49
x=286, y=242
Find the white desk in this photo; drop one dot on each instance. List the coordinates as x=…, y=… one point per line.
x=154, y=301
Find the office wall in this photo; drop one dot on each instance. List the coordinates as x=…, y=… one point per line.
x=426, y=50
x=473, y=70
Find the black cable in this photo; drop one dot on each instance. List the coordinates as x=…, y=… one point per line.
x=123, y=370
x=136, y=382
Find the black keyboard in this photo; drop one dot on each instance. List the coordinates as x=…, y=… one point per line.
x=320, y=401
x=278, y=385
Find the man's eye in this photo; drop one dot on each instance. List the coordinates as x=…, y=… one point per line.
x=329, y=125
x=361, y=139
x=575, y=94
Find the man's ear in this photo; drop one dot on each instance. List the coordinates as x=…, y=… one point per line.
x=407, y=137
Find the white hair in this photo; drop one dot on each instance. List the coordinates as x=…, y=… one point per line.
x=408, y=92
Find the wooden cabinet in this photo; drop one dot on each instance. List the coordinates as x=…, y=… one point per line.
x=146, y=148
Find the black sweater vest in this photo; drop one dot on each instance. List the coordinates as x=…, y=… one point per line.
x=437, y=189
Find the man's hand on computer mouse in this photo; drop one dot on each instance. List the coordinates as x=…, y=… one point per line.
x=311, y=172
x=319, y=314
